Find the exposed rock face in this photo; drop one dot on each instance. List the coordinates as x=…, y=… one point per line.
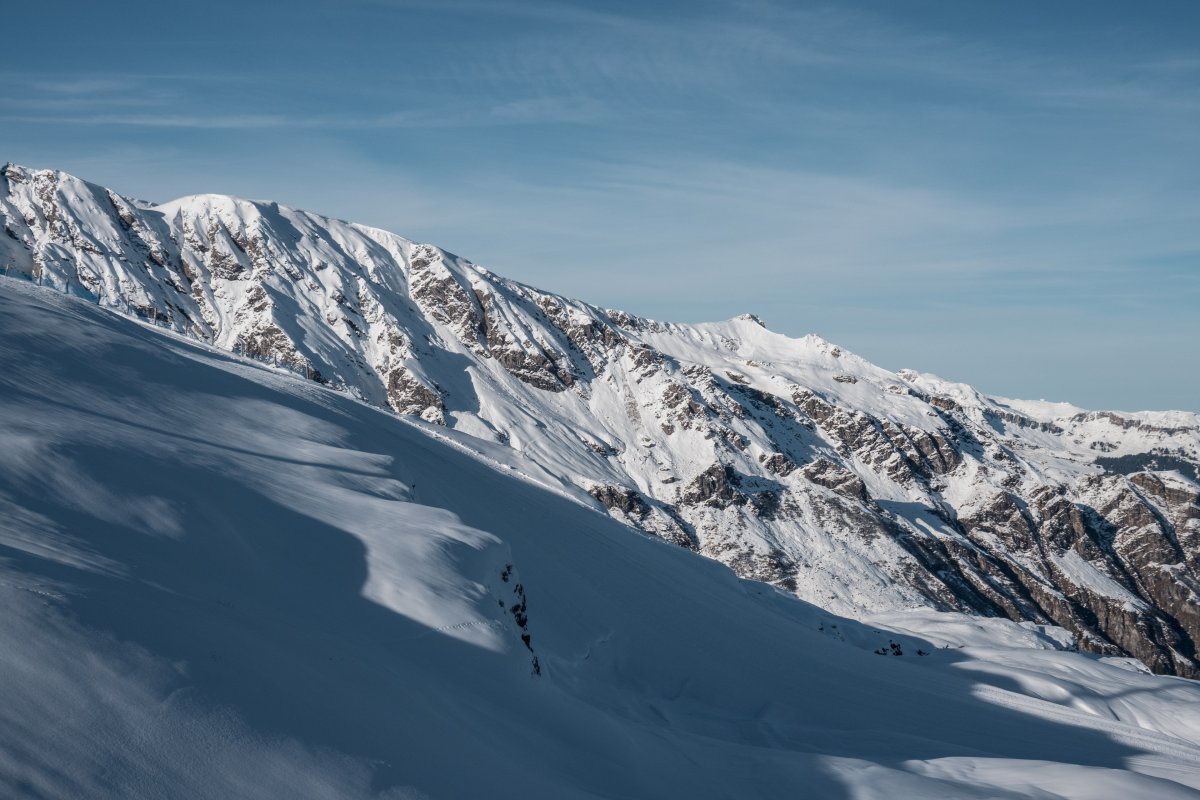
x=791, y=460
x=1109, y=571
x=777, y=464
x=407, y=395
x=716, y=487
x=627, y=501
x=839, y=479
x=518, y=353
x=631, y=506
x=442, y=297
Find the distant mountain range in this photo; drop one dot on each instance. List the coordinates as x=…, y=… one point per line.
x=792, y=461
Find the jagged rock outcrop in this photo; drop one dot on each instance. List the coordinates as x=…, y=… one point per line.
x=408, y=395
x=791, y=460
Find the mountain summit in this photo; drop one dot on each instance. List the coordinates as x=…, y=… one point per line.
x=792, y=461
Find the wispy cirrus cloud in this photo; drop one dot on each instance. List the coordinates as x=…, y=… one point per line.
x=529, y=111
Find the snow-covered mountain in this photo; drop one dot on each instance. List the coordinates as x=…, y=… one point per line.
x=220, y=580
x=790, y=460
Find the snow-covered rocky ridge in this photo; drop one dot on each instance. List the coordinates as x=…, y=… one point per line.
x=793, y=461
x=222, y=580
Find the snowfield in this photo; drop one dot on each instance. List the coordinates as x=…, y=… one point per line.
x=222, y=580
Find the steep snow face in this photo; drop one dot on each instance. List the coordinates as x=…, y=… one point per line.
x=221, y=580
x=791, y=460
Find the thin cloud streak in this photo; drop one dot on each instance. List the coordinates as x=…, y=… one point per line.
x=535, y=111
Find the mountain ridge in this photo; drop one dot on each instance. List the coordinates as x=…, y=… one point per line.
x=791, y=460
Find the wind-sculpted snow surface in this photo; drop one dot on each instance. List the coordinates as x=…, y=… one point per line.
x=221, y=580
x=790, y=460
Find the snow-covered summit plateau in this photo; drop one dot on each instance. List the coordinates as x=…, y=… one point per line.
x=792, y=461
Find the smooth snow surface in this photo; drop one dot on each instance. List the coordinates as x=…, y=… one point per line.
x=220, y=580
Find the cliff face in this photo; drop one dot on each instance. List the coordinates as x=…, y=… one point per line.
x=791, y=460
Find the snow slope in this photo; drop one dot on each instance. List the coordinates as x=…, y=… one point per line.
x=222, y=580
x=792, y=461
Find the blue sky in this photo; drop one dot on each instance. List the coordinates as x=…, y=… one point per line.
x=1003, y=193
